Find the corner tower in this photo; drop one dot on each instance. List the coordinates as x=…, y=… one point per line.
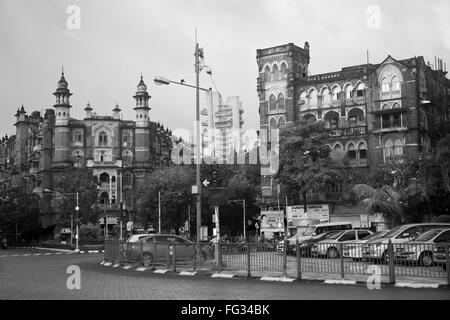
x=62, y=119
x=142, y=130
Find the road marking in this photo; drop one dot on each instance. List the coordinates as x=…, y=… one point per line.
x=47, y=254
x=37, y=254
x=185, y=273
x=222, y=275
x=141, y=269
x=126, y=267
x=339, y=281
x=58, y=253
x=417, y=285
x=26, y=255
x=161, y=271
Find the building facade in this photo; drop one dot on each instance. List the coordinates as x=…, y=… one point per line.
x=119, y=153
x=222, y=125
x=372, y=112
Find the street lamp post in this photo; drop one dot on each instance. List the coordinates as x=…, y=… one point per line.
x=163, y=81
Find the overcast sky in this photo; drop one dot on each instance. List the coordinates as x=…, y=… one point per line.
x=119, y=40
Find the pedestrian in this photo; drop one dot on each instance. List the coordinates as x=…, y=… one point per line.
x=4, y=244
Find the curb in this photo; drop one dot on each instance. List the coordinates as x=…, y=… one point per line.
x=219, y=275
x=60, y=250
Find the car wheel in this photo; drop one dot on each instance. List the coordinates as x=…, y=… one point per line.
x=426, y=259
x=147, y=259
x=332, y=253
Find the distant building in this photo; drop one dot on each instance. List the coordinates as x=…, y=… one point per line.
x=222, y=123
x=120, y=153
x=373, y=112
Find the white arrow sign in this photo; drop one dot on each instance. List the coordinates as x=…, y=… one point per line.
x=206, y=183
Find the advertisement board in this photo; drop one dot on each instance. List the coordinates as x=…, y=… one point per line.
x=297, y=217
x=272, y=221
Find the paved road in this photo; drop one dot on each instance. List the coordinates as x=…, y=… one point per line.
x=24, y=276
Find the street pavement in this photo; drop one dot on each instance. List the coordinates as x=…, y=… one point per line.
x=25, y=275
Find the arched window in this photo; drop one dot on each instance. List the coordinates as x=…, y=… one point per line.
x=395, y=84
x=309, y=118
x=385, y=85
x=351, y=152
x=337, y=147
x=313, y=97
x=360, y=90
x=331, y=119
x=78, y=137
x=272, y=103
x=267, y=73
x=385, y=107
x=302, y=101
x=104, y=178
x=349, y=91
x=388, y=149
x=273, y=123
x=275, y=72
x=126, y=139
x=113, y=179
x=362, y=153
x=335, y=93
x=280, y=103
x=283, y=71
x=326, y=98
x=102, y=139
x=398, y=148
x=281, y=122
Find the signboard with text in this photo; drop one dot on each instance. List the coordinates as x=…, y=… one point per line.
x=272, y=221
x=296, y=215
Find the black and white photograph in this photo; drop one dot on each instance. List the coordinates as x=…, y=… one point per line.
x=223, y=156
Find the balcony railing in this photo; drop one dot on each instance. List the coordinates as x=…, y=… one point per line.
x=353, y=131
x=388, y=124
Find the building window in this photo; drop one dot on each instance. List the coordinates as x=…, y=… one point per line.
x=334, y=123
x=393, y=148
x=283, y=71
x=385, y=85
x=313, y=97
x=336, y=91
x=349, y=92
x=351, y=152
x=360, y=90
x=272, y=103
x=326, y=99
x=276, y=73
x=267, y=74
x=398, y=148
x=280, y=102
x=104, y=198
x=102, y=139
x=126, y=139
x=352, y=121
x=104, y=178
x=127, y=157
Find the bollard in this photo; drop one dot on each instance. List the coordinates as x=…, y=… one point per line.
x=142, y=253
x=341, y=257
x=219, y=256
x=299, y=263
x=248, y=260
x=285, y=258
x=447, y=263
x=174, y=257
x=195, y=257
x=391, y=262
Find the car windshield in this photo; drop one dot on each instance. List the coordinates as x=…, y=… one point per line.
x=428, y=235
x=309, y=231
x=392, y=232
x=336, y=235
x=326, y=235
x=375, y=235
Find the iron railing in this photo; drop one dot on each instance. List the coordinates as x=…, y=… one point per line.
x=325, y=259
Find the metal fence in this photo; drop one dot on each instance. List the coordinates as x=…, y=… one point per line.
x=388, y=260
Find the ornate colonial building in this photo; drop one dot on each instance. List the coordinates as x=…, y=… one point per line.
x=119, y=152
x=373, y=112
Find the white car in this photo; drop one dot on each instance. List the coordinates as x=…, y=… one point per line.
x=353, y=249
x=137, y=237
x=378, y=249
x=422, y=249
x=331, y=247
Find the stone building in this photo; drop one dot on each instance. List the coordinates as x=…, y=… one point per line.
x=372, y=112
x=120, y=153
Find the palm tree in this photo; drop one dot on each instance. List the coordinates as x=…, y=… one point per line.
x=384, y=200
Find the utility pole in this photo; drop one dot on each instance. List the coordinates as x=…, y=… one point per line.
x=197, y=123
x=159, y=212
x=245, y=220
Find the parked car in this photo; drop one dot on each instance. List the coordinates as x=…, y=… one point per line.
x=354, y=249
x=330, y=247
x=306, y=245
x=158, y=247
x=422, y=249
x=377, y=249
x=313, y=231
x=137, y=237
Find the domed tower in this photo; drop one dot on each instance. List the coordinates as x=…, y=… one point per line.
x=142, y=130
x=62, y=116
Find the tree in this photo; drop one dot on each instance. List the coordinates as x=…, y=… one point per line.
x=18, y=210
x=305, y=163
x=81, y=181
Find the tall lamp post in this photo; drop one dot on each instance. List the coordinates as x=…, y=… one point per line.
x=243, y=208
x=160, y=81
x=77, y=208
